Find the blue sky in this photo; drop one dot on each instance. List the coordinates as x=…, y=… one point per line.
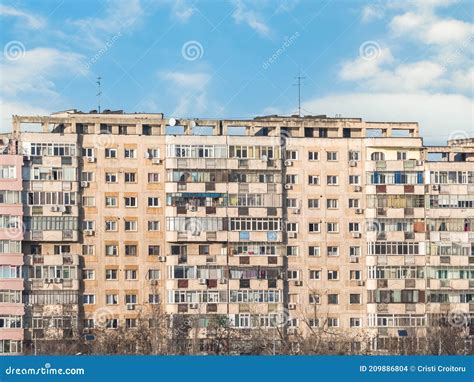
x=380, y=60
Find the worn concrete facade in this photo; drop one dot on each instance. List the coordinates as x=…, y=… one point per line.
x=300, y=223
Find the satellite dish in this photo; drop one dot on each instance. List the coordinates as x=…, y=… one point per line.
x=192, y=124
x=172, y=122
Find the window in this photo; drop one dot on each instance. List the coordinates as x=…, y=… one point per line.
x=111, y=299
x=354, y=179
x=333, y=251
x=111, y=250
x=111, y=225
x=111, y=177
x=130, y=323
x=292, y=250
x=131, y=274
x=130, y=177
x=354, y=251
x=153, y=298
x=313, y=227
x=87, y=177
x=130, y=201
x=153, y=250
x=291, y=179
x=333, y=299
x=293, y=274
x=333, y=275
x=354, y=155
x=292, y=227
x=332, y=204
x=204, y=249
x=110, y=153
x=313, y=180
x=111, y=201
x=332, y=227
x=88, y=323
x=314, y=251
x=333, y=322
x=315, y=274
x=130, y=153
x=131, y=225
x=354, y=227
x=354, y=298
x=354, y=203
x=111, y=274
x=88, y=299
x=314, y=322
x=88, y=225
x=153, y=225
x=86, y=152
x=332, y=156
x=153, y=177
x=314, y=298
x=61, y=249
x=153, y=201
x=88, y=274
x=377, y=156
x=292, y=155
x=88, y=250
x=355, y=275
x=112, y=323
x=355, y=322
x=401, y=155
x=313, y=155
x=131, y=250
x=131, y=299
x=313, y=203
x=153, y=153
x=291, y=203
x=332, y=180
x=153, y=274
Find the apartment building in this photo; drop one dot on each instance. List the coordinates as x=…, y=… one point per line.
x=304, y=224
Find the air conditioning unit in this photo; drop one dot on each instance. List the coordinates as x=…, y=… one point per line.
x=89, y=232
x=62, y=208
x=84, y=184
x=360, y=283
x=193, y=306
x=58, y=280
x=264, y=158
x=436, y=187
x=356, y=235
x=91, y=159
x=359, y=211
x=357, y=188
x=130, y=306
x=147, y=155
x=291, y=306
x=292, y=235
x=156, y=161
x=162, y=259
x=298, y=283
x=288, y=163
x=54, y=208
x=353, y=259
x=223, y=281
x=202, y=281
x=352, y=163
x=292, y=330
x=419, y=163
x=296, y=211
x=288, y=186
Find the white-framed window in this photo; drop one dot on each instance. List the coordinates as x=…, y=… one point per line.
x=354, y=203
x=355, y=322
x=110, y=153
x=355, y=274
x=7, y=172
x=131, y=225
x=331, y=156
x=333, y=275
x=130, y=201
x=354, y=179
x=333, y=299
x=111, y=201
x=291, y=203
x=130, y=153
x=313, y=155
x=355, y=298
x=291, y=227
x=153, y=177
x=333, y=322
x=153, y=225
x=88, y=274
x=313, y=322
x=88, y=152
x=111, y=225
x=111, y=177
x=153, y=201
x=131, y=274
x=153, y=153
x=111, y=250
x=333, y=250
x=401, y=155
x=314, y=298
x=293, y=274
x=332, y=180
x=354, y=155
x=332, y=227
x=153, y=274
x=88, y=225
x=313, y=203
x=88, y=201
x=292, y=154
x=111, y=274
x=292, y=250
x=315, y=274
x=112, y=323
x=332, y=204
x=87, y=176
x=354, y=251
x=88, y=250
x=314, y=227
x=131, y=298
x=313, y=180
x=314, y=250
x=291, y=179
x=130, y=177
x=111, y=299
x=153, y=298
x=88, y=299
x=354, y=227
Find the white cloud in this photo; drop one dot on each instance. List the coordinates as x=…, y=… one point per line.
x=8, y=109
x=243, y=15
x=190, y=90
x=120, y=16
x=361, y=67
x=437, y=114
x=182, y=10
x=372, y=12
x=31, y=21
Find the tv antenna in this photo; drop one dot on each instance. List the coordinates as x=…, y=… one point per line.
x=99, y=92
x=299, y=78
